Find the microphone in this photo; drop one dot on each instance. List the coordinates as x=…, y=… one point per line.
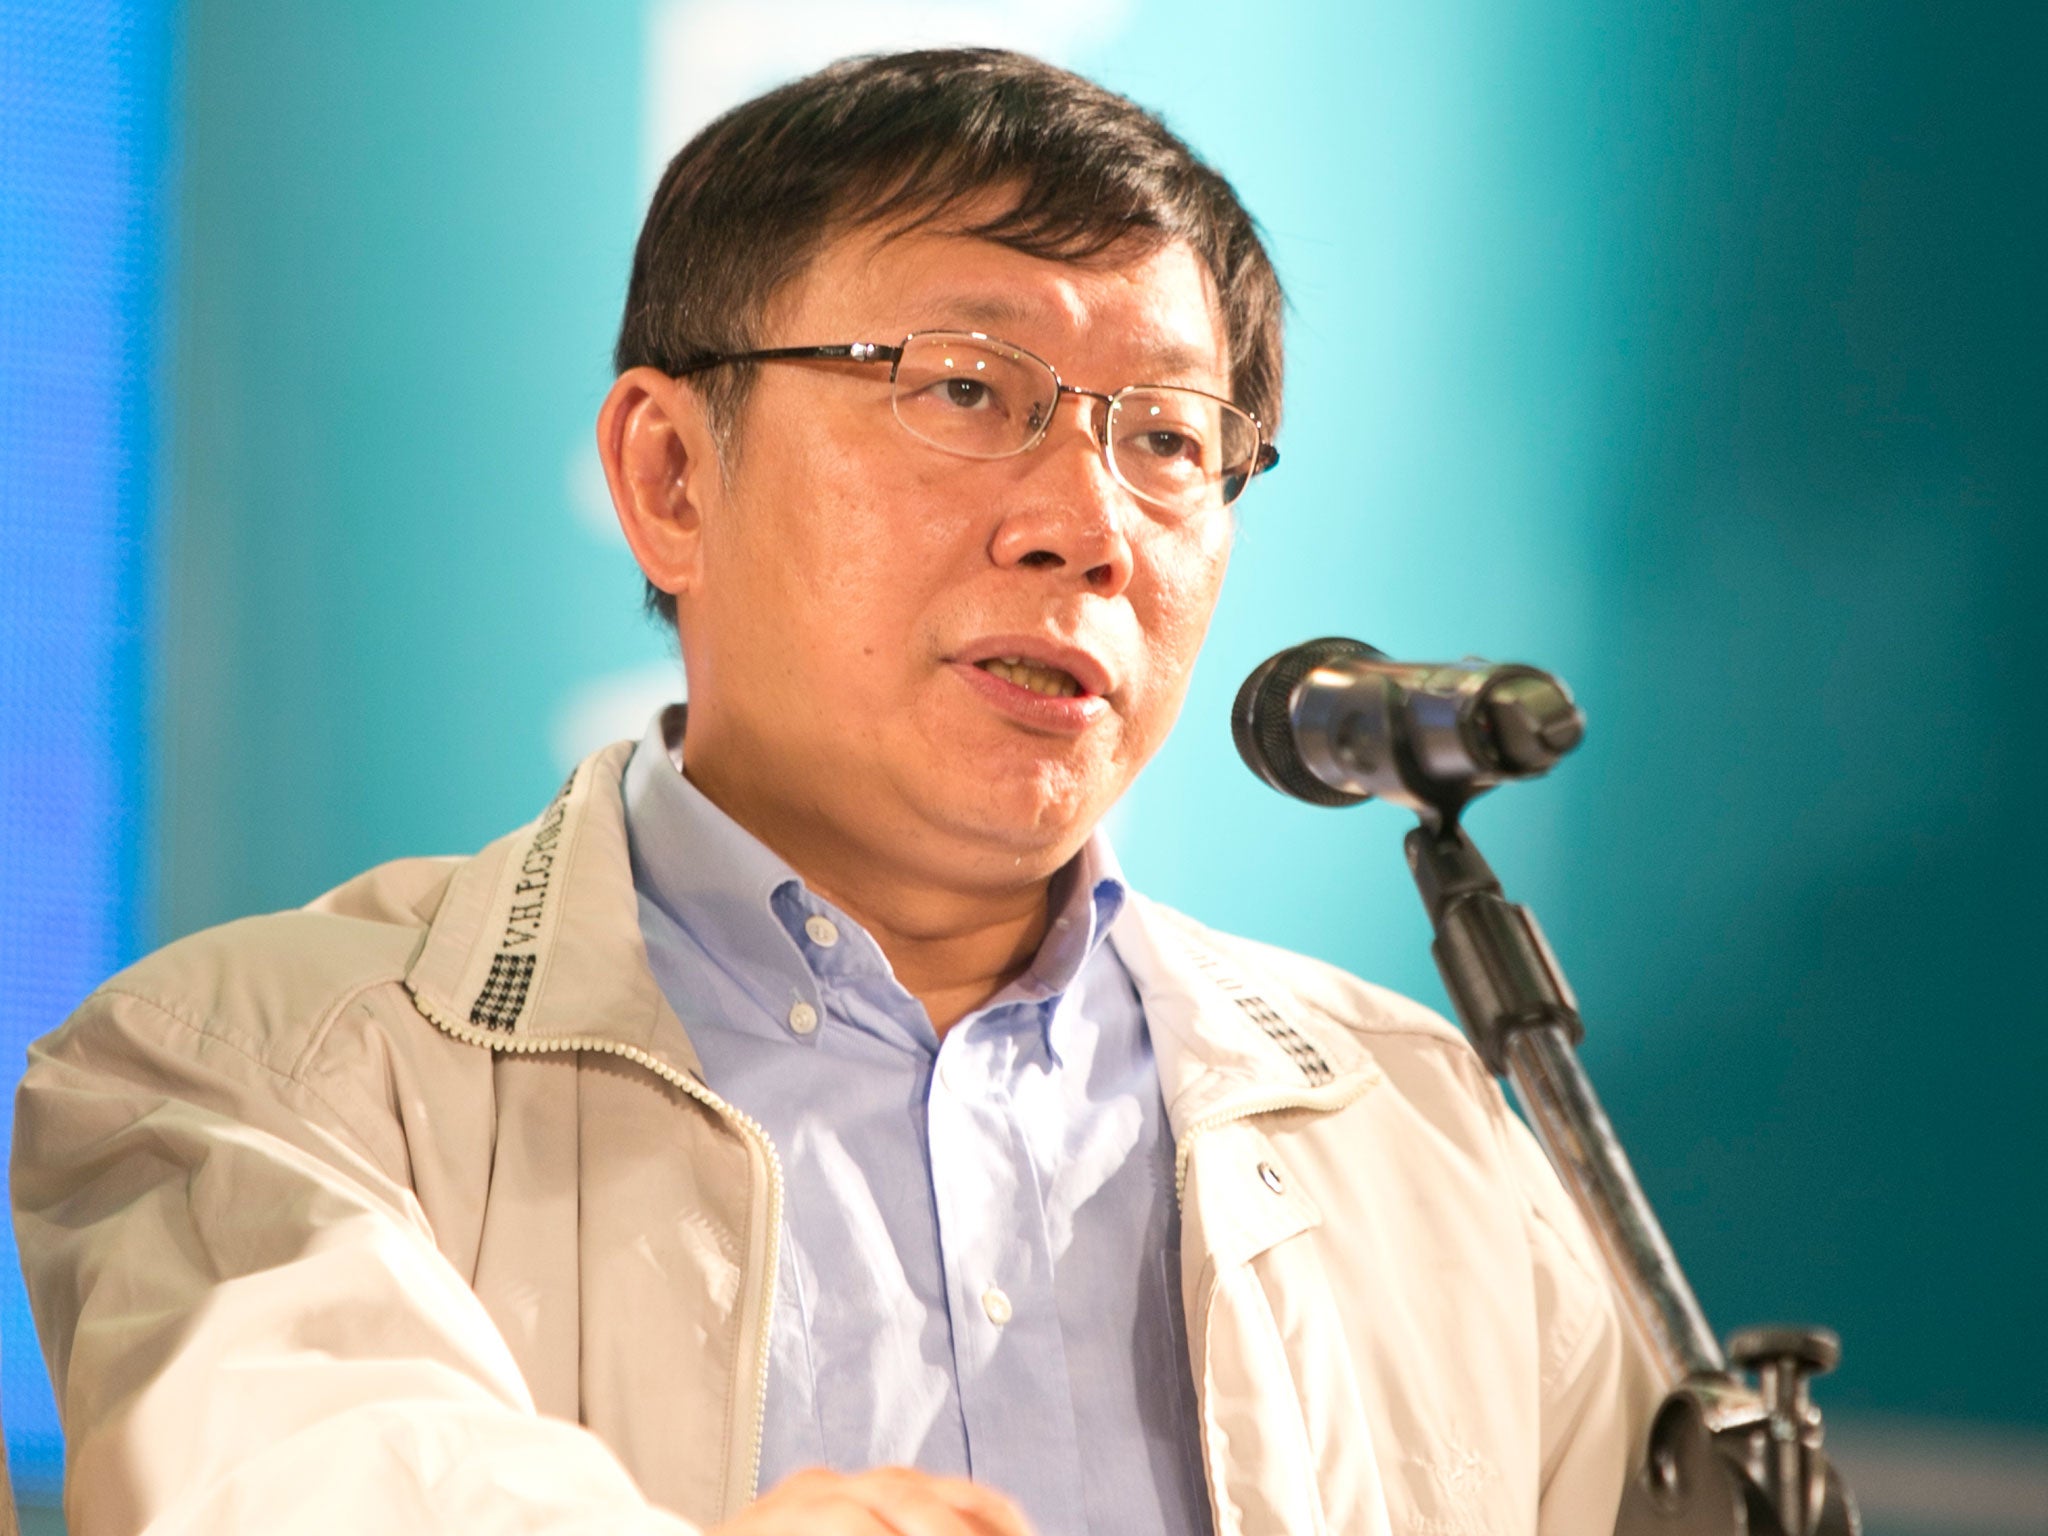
x=1336, y=722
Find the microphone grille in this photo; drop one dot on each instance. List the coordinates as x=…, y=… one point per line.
x=1262, y=723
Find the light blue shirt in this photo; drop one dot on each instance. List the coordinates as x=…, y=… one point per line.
x=979, y=1258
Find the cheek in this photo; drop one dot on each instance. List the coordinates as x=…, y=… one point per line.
x=1181, y=587
x=839, y=553
x=1176, y=598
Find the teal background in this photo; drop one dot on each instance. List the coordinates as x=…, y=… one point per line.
x=1690, y=351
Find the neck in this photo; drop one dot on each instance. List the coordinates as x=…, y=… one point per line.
x=952, y=953
x=952, y=944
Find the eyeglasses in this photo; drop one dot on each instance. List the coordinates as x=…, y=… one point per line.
x=1182, y=450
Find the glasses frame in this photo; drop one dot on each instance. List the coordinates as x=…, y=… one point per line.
x=1263, y=461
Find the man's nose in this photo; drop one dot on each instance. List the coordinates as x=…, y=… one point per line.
x=1070, y=513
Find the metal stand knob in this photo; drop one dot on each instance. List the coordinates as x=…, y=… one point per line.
x=1726, y=1459
x=1784, y=1455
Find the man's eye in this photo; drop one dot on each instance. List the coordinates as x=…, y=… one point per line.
x=1161, y=443
x=967, y=394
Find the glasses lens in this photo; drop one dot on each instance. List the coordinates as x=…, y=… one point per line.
x=972, y=396
x=1181, y=449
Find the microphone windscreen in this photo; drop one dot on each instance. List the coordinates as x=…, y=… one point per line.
x=1262, y=719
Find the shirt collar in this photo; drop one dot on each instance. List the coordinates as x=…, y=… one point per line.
x=1087, y=895
x=720, y=883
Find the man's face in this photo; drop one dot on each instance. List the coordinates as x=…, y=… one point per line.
x=854, y=583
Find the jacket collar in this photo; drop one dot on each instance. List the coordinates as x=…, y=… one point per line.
x=1231, y=1038
x=537, y=942
x=538, y=939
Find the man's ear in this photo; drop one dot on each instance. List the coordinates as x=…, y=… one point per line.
x=661, y=462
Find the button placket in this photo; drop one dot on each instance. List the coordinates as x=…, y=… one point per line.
x=1009, y=1353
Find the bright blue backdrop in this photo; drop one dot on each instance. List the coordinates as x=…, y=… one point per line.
x=83, y=220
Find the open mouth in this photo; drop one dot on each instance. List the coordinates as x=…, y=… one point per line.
x=1049, y=682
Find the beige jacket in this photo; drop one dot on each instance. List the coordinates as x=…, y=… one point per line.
x=409, y=1212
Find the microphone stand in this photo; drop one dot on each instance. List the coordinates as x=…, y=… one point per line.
x=1725, y=1457
x=1335, y=722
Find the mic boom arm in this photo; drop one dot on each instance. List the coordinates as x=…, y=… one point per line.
x=1334, y=722
x=1522, y=1018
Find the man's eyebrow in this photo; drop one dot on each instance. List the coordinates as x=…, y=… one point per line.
x=1170, y=362
x=991, y=313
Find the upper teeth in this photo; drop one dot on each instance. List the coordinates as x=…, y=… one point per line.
x=1050, y=681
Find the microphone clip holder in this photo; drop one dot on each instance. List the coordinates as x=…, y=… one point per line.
x=1493, y=957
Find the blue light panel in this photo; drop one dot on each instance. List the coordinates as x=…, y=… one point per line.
x=83, y=203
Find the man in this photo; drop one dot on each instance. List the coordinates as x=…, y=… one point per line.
x=805, y=1088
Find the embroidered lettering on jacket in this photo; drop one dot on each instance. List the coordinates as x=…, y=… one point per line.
x=1266, y=1016
x=536, y=870
x=503, y=997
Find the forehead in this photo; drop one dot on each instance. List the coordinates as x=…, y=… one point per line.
x=1146, y=313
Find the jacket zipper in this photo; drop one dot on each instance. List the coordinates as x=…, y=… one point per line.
x=519, y=1045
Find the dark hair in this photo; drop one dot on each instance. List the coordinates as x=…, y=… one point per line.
x=899, y=139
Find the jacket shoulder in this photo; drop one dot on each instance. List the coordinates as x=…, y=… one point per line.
x=263, y=976
x=404, y=892
x=266, y=984
x=362, y=932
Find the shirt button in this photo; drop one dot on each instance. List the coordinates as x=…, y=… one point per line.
x=803, y=1018
x=823, y=931
x=996, y=1305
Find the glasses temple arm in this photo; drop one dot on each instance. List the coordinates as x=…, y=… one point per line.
x=849, y=351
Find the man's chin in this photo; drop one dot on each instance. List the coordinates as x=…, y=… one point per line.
x=1017, y=826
